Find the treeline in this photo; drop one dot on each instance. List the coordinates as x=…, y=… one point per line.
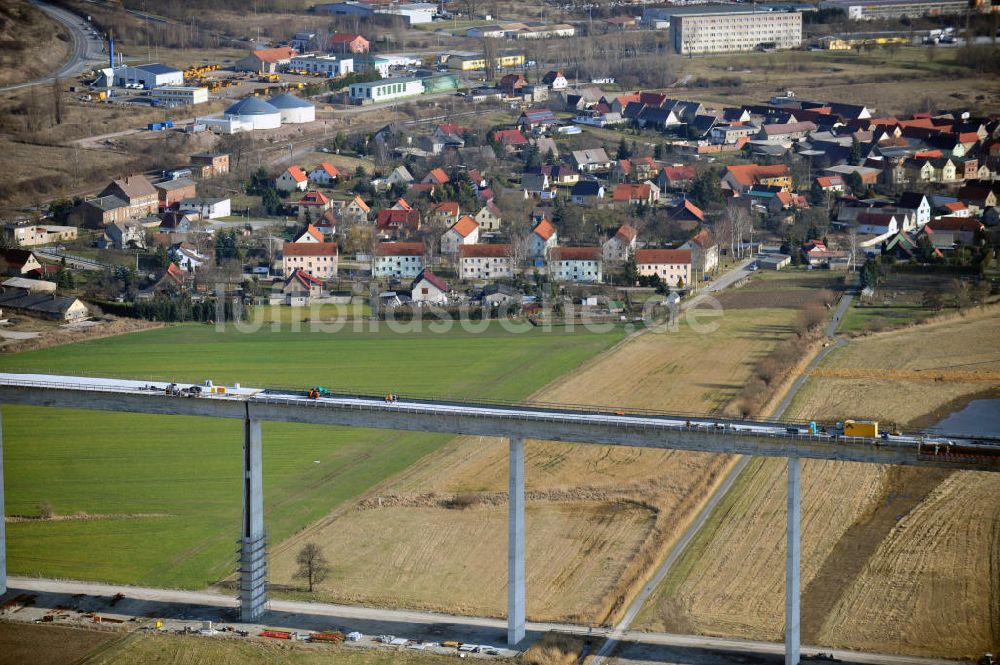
x=770, y=370
x=981, y=58
x=178, y=309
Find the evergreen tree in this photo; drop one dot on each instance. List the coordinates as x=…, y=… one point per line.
x=623, y=151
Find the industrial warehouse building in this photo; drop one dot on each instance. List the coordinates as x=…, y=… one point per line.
x=386, y=90
x=871, y=10
x=148, y=76
x=330, y=65
x=728, y=28
x=175, y=95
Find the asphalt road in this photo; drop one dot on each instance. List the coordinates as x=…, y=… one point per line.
x=297, y=615
x=86, y=53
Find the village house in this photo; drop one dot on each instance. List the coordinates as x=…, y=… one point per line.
x=324, y=174
x=98, y=212
x=485, y=262
x=555, y=80
x=586, y=192
x=634, y=170
x=266, y=61
x=436, y=177
x=428, y=288
x=300, y=288
x=355, y=212
x=511, y=140
x=347, y=42
x=293, y=178
x=704, y=252
x=830, y=184
x=575, y=264
x=511, y=84
x=646, y=193
x=45, y=305
x=949, y=232
x=878, y=224
x=123, y=235
x=31, y=235
x=489, y=218
x=591, y=160
x=136, y=191
x=673, y=266
x=187, y=256
x=463, y=232
x=18, y=262
x=676, y=177
x=918, y=205
x=446, y=212
x=742, y=177
x=312, y=205
x=687, y=211
x=207, y=207
x=619, y=246
x=398, y=222
x=209, y=164
x=398, y=260
x=542, y=238
x=319, y=259
x=171, y=192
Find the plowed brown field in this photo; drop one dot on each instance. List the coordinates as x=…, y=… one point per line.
x=893, y=560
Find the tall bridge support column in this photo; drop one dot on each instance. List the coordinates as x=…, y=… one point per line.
x=515, y=544
x=252, y=566
x=3, y=531
x=792, y=646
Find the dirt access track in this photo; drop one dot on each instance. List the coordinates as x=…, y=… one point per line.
x=894, y=560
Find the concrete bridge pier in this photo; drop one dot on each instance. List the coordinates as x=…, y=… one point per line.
x=3, y=531
x=515, y=544
x=252, y=565
x=792, y=646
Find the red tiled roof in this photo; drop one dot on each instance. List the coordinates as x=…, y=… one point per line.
x=330, y=169
x=680, y=173
x=510, y=137
x=312, y=231
x=401, y=204
x=544, y=229
x=432, y=278
x=360, y=202
x=967, y=224
x=314, y=199
x=396, y=218
x=661, y=256
x=748, y=174
x=344, y=37
x=309, y=249
x=297, y=174
x=465, y=226
x=449, y=207
x=703, y=239
x=303, y=278
x=400, y=249
x=576, y=254
x=626, y=233
x=276, y=54
x=484, y=251
x=438, y=175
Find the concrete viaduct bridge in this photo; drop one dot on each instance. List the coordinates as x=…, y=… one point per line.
x=792, y=440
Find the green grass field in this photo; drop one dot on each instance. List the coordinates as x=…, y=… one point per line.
x=164, y=491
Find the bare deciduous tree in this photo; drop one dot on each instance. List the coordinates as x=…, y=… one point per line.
x=313, y=566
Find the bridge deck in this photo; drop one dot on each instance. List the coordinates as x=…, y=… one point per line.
x=548, y=422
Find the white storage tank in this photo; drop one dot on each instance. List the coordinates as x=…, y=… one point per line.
x=253, y=113
x=293, y=109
